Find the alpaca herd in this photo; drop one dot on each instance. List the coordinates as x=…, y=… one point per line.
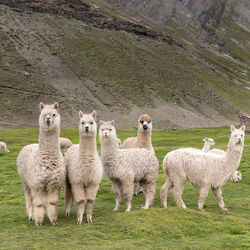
x=44, y=170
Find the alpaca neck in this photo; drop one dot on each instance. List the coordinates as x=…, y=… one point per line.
x=144, y=139
x=233, y=156
x=109, y=147
x=49, y=140
x=87, y=145
x=206, y=147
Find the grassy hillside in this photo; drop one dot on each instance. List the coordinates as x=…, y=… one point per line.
x=47, y=57
x=155, y=228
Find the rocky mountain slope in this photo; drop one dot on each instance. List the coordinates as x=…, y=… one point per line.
x=112, y=57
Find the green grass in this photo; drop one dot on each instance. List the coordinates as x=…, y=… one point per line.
x=156, y=228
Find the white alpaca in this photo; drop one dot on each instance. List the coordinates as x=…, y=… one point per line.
x=3, y=147
x=143, y=139
x=208, y=143
x=84, y=169
x=41, y=168
x=204, y=170
x=65, y=143
x=124, y=167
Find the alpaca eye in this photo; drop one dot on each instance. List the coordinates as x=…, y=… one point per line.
x=54, y=115
x=141, y=122
x=91, y=123
x=82, y=123
x=102, y=129
x=110, y=129
x=149, y=121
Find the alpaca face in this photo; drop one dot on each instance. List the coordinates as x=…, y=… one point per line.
x=3, y=148
x=49, y=118
x=145, y=123
x=87, y=124
x=237, y=135
x=107, y=131
x=209, y=141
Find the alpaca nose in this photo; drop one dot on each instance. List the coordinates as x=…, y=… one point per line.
x=145, y=126
x=105, y=134
x=48, y=120
x=87, y=129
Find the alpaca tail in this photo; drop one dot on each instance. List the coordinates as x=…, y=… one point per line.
x=68, y=197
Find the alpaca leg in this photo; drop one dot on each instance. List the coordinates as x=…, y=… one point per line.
x=177, y=194
x=91, y=192
x=127, y=191
x=218, y=195
x=68, y=197
x=80, y=198
x=136, y=188
x=164, y=191
x=203, y=195
x=29, y=205
x=149, y=194
x=118, y=194
x=52, y=199
x=39, y=200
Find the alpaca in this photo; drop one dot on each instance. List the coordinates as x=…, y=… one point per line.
x=124, y=167
x=84, y=169
x=208, y=142
x=143, y=139
x=3, y=147
x=41, y=168
x=65, y=143
x=204, y=170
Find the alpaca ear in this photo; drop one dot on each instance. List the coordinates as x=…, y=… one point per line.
x=56, y=106
x=93, y=114
x=41, y=106
x=232, y=128
x=80, y=114
x=243, y=128
x=112, y=122
x=101, y=122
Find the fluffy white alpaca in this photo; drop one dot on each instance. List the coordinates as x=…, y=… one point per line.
x=204, y=170
x=41, y=168
x=65, y=143
x=3, y=147
x=124, y=167
x=143, y=139
x=84, y=169
x=208, y=143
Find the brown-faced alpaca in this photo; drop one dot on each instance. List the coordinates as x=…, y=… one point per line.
x=202, y=169
x=124, y=167
x=84, y=169
x=41, y=168
x=143, y=139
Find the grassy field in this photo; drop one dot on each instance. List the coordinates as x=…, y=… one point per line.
x=156, y=228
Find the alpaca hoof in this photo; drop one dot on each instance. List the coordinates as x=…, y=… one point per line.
x=115, y=209
x=89, y=220
x=225, y=209
x=67, y=213
x=165, y=205
x=144, y=207
x=31, y=218
x=127, y=210
x=79, y=222
x=54, y=223
x=201, y=209
x=38, y=224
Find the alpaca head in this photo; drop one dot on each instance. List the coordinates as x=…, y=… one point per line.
x=87, y=124
x=49, y=118
x=209, y=141
x=145, y=123
x=107, y=132
x=236, y=177
x=237, y=136
x=3, y=147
